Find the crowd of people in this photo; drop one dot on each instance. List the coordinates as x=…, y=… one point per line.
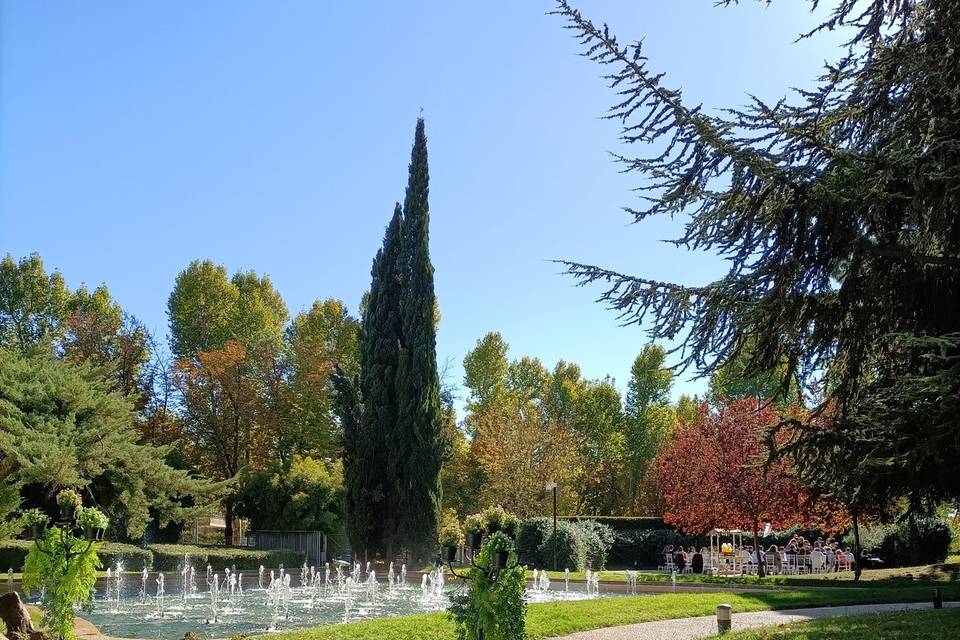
x=797, y=556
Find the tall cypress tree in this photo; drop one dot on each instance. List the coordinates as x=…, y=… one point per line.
x=418, y=440
x=369, y=463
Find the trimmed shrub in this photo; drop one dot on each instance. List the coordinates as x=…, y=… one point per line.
x=623, y=523
x=533, y=533
x=13, y=553
x=564, y=549
x=644, y=547
x=915, y=540
x=168, y=557
x=599, y=539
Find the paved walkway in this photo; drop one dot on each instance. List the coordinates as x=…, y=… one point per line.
x=706, y=626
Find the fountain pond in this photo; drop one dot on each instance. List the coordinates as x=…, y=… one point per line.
x=227, y=603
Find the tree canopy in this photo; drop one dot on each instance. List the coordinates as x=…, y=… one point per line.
x=61, y=426
x=837, y=211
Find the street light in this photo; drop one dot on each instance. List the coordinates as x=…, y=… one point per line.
x=552, y=486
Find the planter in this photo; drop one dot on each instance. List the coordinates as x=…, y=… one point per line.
x=499, y=559
x=93, y=534
x=475, y=539
x=449, y=554
x=67, y=512
x=36, y=531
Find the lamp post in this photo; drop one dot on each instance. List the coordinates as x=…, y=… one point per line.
x=552, y=486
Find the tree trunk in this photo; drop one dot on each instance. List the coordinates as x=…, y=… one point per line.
x=758, y=549
x=16, y=618
x=228, y=515
x=857, y=567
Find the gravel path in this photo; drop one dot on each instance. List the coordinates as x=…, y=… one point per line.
x=706, y=626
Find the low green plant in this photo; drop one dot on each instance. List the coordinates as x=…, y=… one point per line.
x=92, y=518
x=34, y=517
x=511, y=525
x=474, y=523
x=493, y=518
x=493, y=608
x=565, y=549
x=64, y=569
x=69, y=498
x=451, y=537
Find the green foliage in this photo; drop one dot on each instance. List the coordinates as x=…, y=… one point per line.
x=914, y=540
x=623, y=523
x=368, y=470
x=33, y=517
x=494, y=607
x=867, y=293
x=565, y=549
x=493, y=518
x=66, y=573
x=13, y=554
x=306, y=494
x=317, y=341
x=474, y=523
x=577, y=544
x=418, y=442
x=61, y=426
x=533, y=533
x=32, y=303
x=450, y=536
x=92, y=518
x=69, y=498
x=206, y=310
x=644, y=547
x=9, y=503
x=649, y=416
x=168, y=557
x=599, y=539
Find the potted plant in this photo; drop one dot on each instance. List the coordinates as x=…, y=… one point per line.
x=68, y=500
x=36, y=521
x=473, y=525
x=493, y=518
x=450, y=539
x=510, y=526
x=93, y=522
x=500, y=547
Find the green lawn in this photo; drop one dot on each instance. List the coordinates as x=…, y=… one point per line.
x=561, y=618
x=905, y=625
x=948, y=571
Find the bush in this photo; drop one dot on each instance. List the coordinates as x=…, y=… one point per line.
x=564, y=549
x=533, y=533
x=599, y=539
x=168, y=557
x=623, y=523
x=14, y=552
x=915, y=540
x=644, y=547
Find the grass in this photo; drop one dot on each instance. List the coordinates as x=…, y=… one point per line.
x=948, y=571
x=562, y=618
x=905, y=625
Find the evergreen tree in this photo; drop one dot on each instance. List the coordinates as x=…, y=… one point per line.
x=838, y=214
x=418, y=442
x=368, y=460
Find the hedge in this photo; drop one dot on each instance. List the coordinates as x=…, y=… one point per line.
x=643, y=548
x=13, y=553
x=915, y=540
x=169, y=557
x=623, y=523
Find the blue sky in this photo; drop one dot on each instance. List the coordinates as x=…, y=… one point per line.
x=275, y=136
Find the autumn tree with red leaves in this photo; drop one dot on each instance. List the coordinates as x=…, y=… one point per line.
x=716, y=474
